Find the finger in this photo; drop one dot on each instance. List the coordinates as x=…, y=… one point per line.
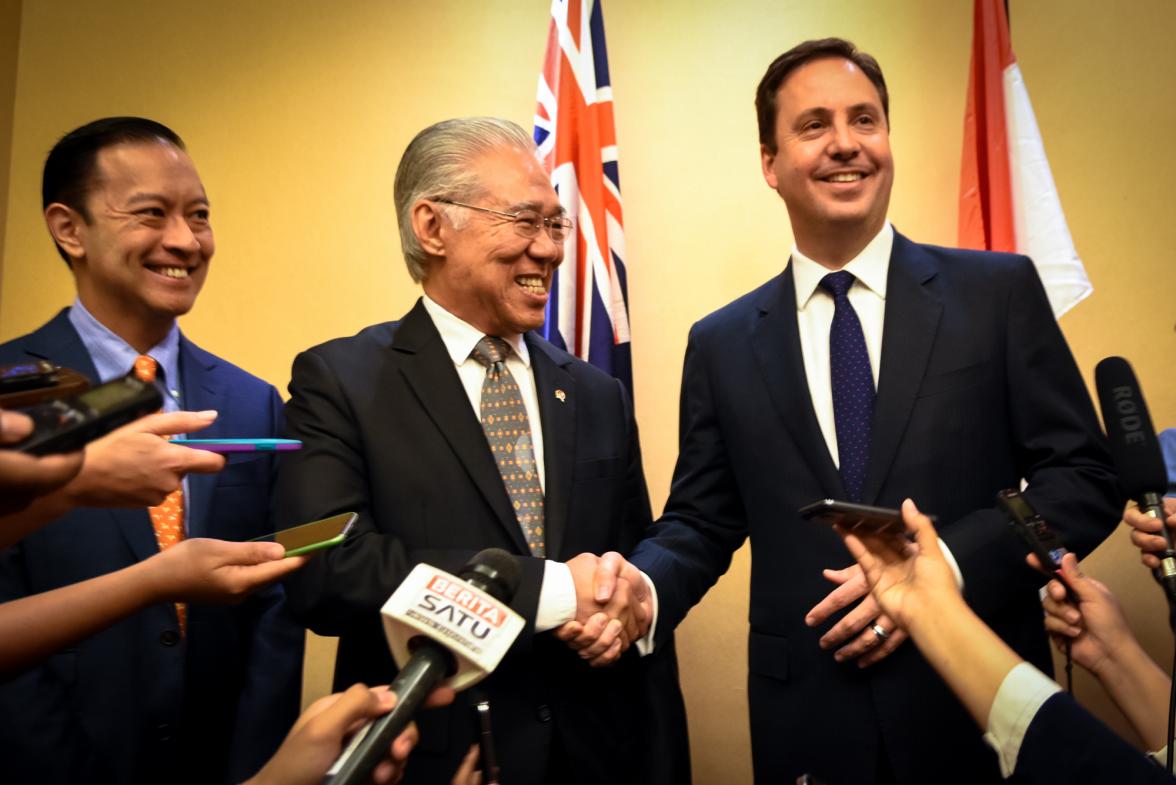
x=604, y=578
x=919, y=525
x=851, y=624
x=255, y=576
x=1141, y=522
x=189, y=461
x=1056, y=626
x=884, y=650
x=569, y=631
x=1149, y=543
x=609, y=657
x=851, y=590
x=1150, y=561
x=440, y=696
x=592, y=630
x=1062, y=611
x=14, y=426
x=171, y=423
x=356, y=703
x=402, y=745
x=37, y=476
x=468, y=764
x=1034, y=562
x=612, y=633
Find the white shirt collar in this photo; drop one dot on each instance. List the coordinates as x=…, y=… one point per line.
x=870, y=267
x=460, y=337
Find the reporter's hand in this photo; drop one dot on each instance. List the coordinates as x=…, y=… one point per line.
x=614, y=607
x=1088, y=616
x=318, y=737
x=25, y=477
x=468, y=772
x=134, y=466
x=217, y=571
x=854, y=635
x=1146, y=531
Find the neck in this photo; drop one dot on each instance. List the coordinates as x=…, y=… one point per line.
x=140, y=333
x=837, y=245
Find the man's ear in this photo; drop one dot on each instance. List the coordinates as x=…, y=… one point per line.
x=767, y=159
x=427, y=226
x=66, y=225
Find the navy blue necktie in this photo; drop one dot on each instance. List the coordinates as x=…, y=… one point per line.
x=853, y=385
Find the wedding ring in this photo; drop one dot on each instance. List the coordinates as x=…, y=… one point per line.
x=881, y=633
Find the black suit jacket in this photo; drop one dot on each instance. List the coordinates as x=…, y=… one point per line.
x=135, y=702
x=389, y=432
x=977, y=390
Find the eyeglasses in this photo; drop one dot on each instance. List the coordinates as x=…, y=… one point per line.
x=527, y=223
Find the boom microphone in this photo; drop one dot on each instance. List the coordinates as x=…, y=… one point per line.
x=1136, y=451
x=440, y=627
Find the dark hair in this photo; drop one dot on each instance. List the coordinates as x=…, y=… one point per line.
x=69, y=169
x=782, y=66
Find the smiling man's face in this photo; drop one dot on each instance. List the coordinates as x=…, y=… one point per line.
x=832, y=163
x=147, y=241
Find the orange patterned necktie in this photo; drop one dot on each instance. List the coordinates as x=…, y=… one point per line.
x=167, y=518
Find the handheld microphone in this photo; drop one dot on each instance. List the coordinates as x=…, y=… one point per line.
x=1136, y=452
x=440, y=627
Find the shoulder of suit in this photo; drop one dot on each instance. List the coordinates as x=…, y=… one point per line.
x=983, y=262
x=740, y=312
x=376, y=336
x=225, y=372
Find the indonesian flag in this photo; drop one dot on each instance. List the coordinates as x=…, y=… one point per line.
x=1008, y=201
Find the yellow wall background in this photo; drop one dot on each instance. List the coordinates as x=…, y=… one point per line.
x=296, y=113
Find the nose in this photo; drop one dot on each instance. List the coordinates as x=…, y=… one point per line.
x=842, y=142
x=179, y=237
x=545, y=249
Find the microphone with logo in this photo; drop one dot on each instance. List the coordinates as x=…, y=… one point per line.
x=442, y=628
x=1136, y=452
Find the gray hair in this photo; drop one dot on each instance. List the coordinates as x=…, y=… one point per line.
x=436, y=164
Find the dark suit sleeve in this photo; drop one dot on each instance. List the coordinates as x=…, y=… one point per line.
x=704, y=520
x=1060, y=451
x=271, y=698
x=346, y=586
x=1065, y=743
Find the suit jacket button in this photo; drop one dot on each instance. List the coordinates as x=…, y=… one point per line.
x=543, y=713
x=169, y=637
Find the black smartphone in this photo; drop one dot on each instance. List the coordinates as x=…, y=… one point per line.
x=855, y=517
x=1032, y=529
x=27, y=376
x=68, y=425
x=36, y=381
x=488, y=757
x=313, y=536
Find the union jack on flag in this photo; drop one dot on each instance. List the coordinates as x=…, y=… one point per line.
x=587, y=311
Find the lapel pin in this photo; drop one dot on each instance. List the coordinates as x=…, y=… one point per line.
x=561, y=396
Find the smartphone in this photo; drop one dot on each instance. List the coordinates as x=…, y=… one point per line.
x=241, y=445
x=313, y=536
x=30, y=383
x=1032, y=529
x=487, y=755
x=855, y=517
x=67, y=425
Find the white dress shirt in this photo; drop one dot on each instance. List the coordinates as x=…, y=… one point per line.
x=557, y=594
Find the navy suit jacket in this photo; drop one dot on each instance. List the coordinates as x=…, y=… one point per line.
x=389, y=432
x=1065, y=743
x=135, y=702
x=977, y=390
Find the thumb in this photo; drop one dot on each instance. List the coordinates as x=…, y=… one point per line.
x=604, y=579
x=919, y=525
x=245, y=553
x=1074, y=578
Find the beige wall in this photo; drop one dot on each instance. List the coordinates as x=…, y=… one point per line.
x=9, y=45
x=296, y=113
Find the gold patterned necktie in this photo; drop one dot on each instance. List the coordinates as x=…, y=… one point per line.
x=167, y=518
x=508, y=430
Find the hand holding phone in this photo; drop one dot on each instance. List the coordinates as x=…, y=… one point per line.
x=313, y=536
x=855, y=517
x=67, y=425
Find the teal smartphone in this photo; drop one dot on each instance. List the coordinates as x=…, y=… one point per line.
x=241, y=445
x=313, y=536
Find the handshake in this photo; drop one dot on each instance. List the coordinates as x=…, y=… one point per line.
x=614, y=607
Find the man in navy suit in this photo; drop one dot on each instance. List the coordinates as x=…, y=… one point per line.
x=174, y=693
x=399, y=424
x=926, y=372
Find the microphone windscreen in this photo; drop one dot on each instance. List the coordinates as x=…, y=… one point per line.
x=495, y=571
x=1133, y=442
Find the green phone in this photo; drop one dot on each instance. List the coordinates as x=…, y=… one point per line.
x=313, y=536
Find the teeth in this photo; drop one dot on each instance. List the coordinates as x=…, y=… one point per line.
x=533, y=284
x=847, y=177
x=174, y=272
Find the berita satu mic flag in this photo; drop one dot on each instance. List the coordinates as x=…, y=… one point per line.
x=587, y=312
x=1008, y=201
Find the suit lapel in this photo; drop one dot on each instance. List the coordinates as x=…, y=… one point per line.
x=775, y=341
x=558, y=415
x=60, y=343
x=197, y=369
x=429, y=372
x=912, y=318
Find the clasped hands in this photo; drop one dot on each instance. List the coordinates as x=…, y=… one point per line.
x=614, y=607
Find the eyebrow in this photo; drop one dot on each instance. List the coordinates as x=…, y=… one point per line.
x=536, y=206
x=148, y=196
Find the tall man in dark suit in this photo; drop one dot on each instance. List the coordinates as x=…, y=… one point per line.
x=872, y=369
x=174, y=693
x=402, y=424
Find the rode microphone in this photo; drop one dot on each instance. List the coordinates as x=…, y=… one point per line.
x=441, y=628
x=1136, y=452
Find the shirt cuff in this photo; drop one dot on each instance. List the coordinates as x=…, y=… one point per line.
x=557, y=597
x=1017, y=702
x=645, y=645
x=951, y=562
x=1160, y=756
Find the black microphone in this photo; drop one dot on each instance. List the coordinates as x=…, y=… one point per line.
x=493, y=571
x=1136, y=452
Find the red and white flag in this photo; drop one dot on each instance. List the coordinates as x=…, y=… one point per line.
x=1008, y=201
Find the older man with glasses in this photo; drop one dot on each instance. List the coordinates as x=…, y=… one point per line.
x=457, y=429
